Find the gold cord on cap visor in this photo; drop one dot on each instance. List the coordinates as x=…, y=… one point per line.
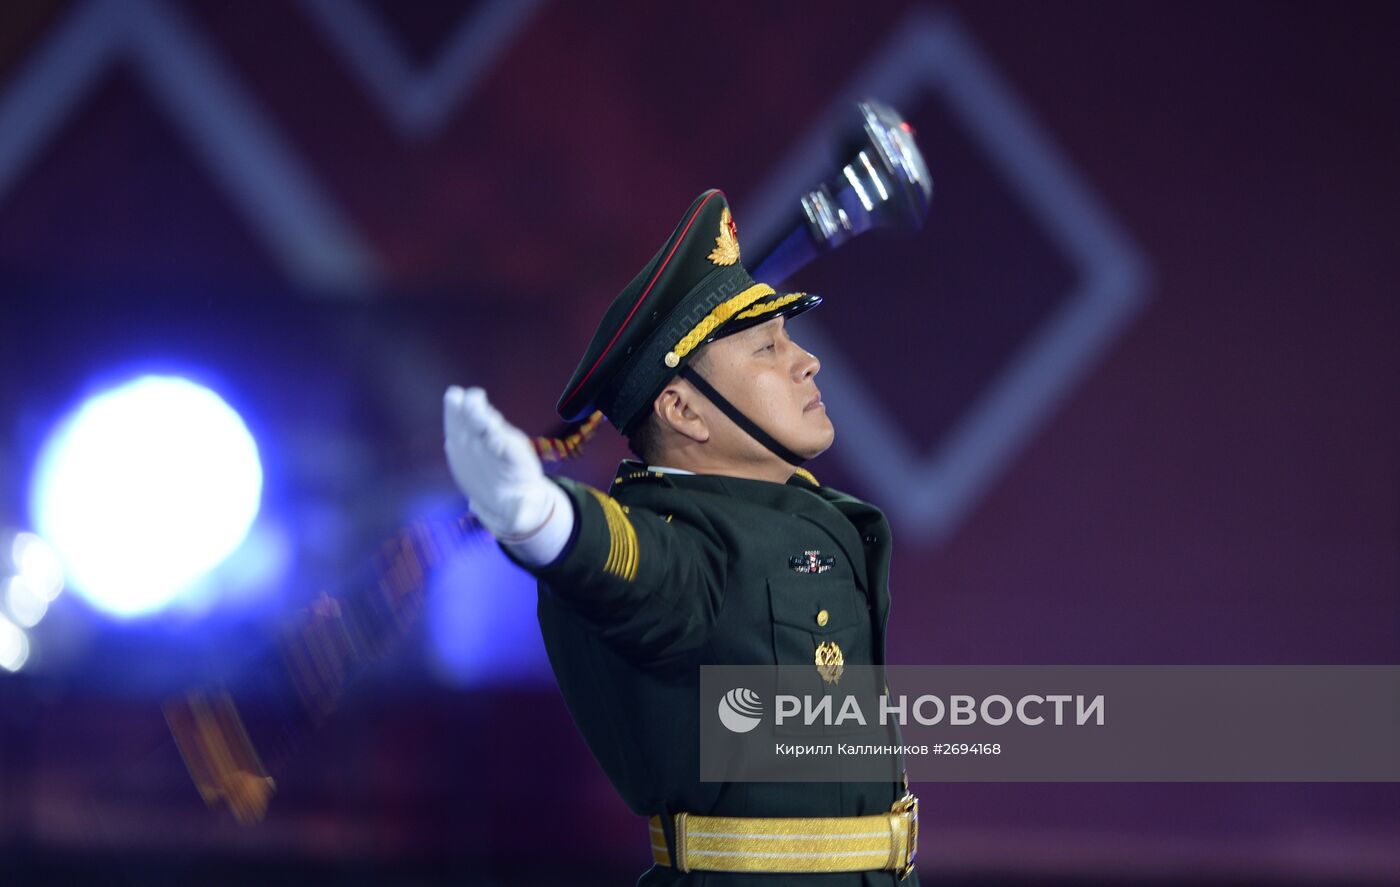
x=780, y=302
x=711, y=322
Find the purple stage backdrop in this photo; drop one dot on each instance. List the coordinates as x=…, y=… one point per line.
x=1130, y=397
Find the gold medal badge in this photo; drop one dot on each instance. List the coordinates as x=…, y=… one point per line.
x=830, y=662
x=726, y=251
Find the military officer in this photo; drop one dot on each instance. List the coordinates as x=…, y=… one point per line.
x=715, y=547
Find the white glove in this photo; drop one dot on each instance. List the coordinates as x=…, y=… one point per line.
x=496, y=467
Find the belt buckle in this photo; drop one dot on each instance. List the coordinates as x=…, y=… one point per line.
x=908, y=805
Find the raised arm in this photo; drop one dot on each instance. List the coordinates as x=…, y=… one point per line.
x=651, y=583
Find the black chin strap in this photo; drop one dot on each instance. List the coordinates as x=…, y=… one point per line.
x=739, y=418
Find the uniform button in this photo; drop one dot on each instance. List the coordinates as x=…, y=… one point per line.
x=822, y=617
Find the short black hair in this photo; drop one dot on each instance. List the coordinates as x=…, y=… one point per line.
x=646, y=437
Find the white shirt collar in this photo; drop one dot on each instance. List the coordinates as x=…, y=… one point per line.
x=662, y=469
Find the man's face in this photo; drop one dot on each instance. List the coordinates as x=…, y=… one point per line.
x=770, y=378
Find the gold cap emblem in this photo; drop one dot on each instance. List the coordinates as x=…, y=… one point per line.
x=726, y=251
x=830, y=662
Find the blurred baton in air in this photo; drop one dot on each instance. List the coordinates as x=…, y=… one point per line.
x=884, y=184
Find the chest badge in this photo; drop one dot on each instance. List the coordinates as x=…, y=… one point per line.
x=830, y=662
x=811, y=562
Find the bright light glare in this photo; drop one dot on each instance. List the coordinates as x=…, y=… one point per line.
x=14, y=646
x=36, y=561
x=25, y=603
x=145, y=488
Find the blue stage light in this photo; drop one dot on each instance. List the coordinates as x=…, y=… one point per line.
x=25, y=603
x=35, y=560
x=143, y=489
x=482, y=628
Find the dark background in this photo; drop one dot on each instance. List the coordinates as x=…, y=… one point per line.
x=1130, y=397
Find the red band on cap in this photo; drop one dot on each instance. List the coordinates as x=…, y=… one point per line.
x=643, y=296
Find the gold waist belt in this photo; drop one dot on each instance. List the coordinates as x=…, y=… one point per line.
x=884, y=841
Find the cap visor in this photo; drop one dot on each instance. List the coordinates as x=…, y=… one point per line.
x=780, y=305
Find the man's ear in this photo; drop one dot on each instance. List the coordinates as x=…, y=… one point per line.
x=676, y=407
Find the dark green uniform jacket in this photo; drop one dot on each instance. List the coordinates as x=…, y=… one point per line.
x=670, y=572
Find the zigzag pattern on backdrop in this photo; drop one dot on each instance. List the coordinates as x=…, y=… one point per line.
x=318, y=246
